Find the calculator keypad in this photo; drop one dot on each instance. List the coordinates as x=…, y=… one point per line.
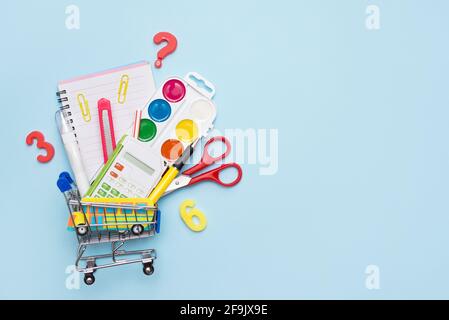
x=115, y=186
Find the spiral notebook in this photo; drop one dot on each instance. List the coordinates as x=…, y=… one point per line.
x=128, y=88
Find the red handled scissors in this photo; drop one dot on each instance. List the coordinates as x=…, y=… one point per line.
x=187, y=178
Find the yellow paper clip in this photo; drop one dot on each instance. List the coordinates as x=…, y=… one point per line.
x=123, y=89
x=84, y=106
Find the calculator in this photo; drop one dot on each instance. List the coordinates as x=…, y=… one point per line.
x=131, y=172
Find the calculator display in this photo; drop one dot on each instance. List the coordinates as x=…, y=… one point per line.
x=139, y=164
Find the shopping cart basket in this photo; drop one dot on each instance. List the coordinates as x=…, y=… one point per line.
x=114, y=221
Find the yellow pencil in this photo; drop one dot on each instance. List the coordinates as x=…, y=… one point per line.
x=169, y=176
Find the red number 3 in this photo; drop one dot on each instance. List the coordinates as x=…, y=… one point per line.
x=41, y=144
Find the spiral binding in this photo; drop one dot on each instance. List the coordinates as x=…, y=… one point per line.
x=63, y=100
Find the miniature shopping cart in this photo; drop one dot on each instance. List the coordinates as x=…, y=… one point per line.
x=113, y=221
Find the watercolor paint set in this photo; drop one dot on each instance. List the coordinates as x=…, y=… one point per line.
x=180, y=112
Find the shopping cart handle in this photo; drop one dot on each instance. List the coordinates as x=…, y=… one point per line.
x=64, y=185
x=67, y=176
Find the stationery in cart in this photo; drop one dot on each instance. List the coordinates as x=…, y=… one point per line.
x=127, y=88
x=127, y=143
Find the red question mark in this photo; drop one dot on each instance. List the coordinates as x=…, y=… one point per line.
x=41, y=144
x=172, y=44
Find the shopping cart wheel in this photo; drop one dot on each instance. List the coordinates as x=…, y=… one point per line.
x=89, y=279
x=82, y=230
x=148, y=268
x=91, y=265
x=137, y=229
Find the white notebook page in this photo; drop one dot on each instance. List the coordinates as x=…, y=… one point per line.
x=106, y=84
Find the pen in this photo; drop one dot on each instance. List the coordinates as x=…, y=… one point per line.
x=73, y=153
x=170, y=175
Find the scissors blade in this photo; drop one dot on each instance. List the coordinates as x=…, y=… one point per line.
x=178, y=183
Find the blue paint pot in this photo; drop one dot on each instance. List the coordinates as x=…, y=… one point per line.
x=159, y=110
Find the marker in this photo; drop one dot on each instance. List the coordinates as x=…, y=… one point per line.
x=66, y=176
x=66, y=188
x=73, y=153
x=169, y=176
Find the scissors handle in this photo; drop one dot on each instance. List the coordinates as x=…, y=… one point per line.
x=207, y=159
x=214, y=175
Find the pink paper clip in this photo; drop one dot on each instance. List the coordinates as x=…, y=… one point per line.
x=106, y=128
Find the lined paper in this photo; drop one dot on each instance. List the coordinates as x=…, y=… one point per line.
x=106, y=84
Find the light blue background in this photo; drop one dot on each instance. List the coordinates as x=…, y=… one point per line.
x=363, y=159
